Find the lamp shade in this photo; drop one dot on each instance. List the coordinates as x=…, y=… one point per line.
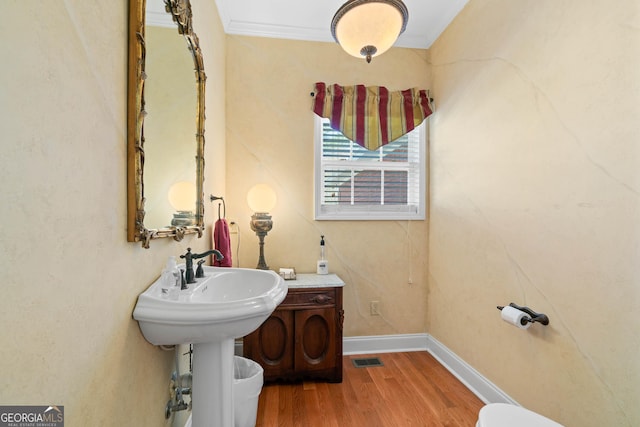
x=182, y=196
x=368, y=28
x=261, y=198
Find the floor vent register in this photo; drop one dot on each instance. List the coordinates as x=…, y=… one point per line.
x=369, y=362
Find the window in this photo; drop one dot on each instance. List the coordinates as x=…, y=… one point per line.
x=353, y=183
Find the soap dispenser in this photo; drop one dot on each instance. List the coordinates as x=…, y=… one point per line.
x=170, y=279
x=323, y=264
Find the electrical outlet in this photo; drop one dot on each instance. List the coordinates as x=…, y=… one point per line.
x=233, y=229
x=374, y=307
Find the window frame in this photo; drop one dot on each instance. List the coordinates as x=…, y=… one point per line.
x=364, y=212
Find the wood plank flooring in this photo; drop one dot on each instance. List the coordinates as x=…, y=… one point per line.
x=411, y=389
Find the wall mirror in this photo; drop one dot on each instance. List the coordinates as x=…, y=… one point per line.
x=165, y=147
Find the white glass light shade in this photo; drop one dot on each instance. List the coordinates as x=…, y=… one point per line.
x=261, y=198
x=182, y=196
x=360, y=24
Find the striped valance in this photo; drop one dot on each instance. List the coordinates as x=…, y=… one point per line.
x=371, y=116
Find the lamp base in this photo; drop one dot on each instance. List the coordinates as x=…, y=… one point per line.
x=261, y=224
x=262, y=264
x=183, y=218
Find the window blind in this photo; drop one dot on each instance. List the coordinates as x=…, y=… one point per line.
x=354, y=179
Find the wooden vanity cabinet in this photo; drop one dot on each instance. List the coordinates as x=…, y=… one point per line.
x=302, y=339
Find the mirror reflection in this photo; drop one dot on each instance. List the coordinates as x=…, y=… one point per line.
x=170, y=94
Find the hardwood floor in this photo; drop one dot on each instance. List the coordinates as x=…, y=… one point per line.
x=411, y=389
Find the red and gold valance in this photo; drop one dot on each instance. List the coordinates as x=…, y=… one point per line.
x=371, y=116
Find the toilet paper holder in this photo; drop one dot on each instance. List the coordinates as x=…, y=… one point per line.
x=535, y=317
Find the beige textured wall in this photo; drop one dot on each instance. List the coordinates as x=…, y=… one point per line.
x=535, y=199
x=270, y=139
x=70, y=279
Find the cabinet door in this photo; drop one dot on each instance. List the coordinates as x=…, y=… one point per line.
x=274, y=344
x=315, y=339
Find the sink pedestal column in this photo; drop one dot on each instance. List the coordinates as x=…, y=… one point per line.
x=212, y=385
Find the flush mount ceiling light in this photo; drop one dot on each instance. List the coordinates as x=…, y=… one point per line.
x=368, y=28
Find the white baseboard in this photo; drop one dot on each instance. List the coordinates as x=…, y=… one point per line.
x=472, y=379
x=237, y=348
x=384, y=344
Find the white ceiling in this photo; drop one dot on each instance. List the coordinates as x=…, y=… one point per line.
x=311, y=19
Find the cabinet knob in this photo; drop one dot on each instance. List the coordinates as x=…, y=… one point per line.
x=321, y=299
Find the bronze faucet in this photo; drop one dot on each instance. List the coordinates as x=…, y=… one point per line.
x=189, y=257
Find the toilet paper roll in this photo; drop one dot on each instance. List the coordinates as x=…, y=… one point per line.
x=515, y=317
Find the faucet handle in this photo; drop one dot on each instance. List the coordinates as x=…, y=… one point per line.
x=188, y=255
x=200, y=270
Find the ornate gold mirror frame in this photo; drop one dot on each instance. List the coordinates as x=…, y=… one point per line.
x=180, y=10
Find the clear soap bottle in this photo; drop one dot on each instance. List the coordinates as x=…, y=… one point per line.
x=171, y=279
x=323, y=264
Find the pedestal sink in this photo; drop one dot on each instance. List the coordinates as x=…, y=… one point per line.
x=227, y=303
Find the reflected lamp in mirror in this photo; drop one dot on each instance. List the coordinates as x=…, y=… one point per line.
x=261, y=199
x=182, y=197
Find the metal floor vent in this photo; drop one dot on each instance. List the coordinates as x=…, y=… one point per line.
x=367, y=362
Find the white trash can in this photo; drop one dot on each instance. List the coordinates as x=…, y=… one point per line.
x=247, y=384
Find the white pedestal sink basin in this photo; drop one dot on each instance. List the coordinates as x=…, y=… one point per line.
x=227, y=303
